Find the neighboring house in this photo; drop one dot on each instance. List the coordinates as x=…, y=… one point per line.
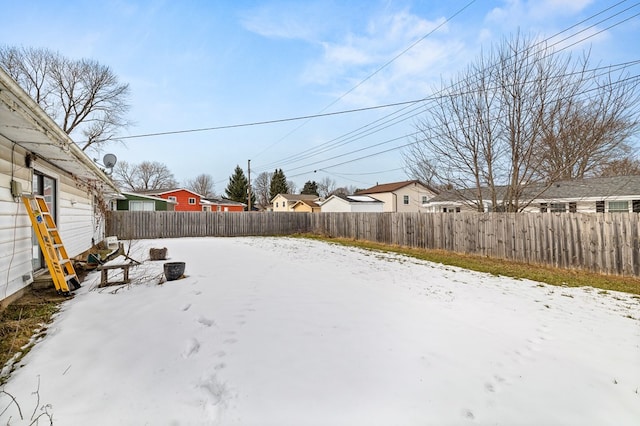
x=186, y=200
x=406, y=196
x=352, y=204
x=306, y=206
x=139, y=202
x=592, y=195
x=37, y=157
x=222, y=205
x=285, y=202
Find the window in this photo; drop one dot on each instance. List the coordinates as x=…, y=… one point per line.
x=276, y=204
x=573, y=207
x=172, y=198
x=636, y=206
x=543, y=207
x=425, y=199
x=141, y=206
x=284, y=204
x=192, y=200
x=405, y=200
x=618, y=206
x=599, y=206
x=558, y=207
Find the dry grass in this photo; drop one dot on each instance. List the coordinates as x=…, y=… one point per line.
x=25, y=317
x=541, y=273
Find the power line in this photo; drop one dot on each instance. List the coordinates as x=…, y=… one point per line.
x=372, y=130
x=334, y=143
x=370, y=76
x=266, y=122
x=310, y=166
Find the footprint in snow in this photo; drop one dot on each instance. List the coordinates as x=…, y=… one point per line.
x=216, y=396
x=186, y=307
x=192, y=348
x=468, y=414
x=206, y=321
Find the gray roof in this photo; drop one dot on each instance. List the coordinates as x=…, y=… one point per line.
x=601, y=187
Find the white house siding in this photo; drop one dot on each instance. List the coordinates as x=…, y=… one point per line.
x=338, y=205
x=15, y=246
x=388, y=199
x=76, y=221
x=280, y=204
x=415, y=194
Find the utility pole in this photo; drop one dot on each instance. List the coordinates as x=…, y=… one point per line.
x=249, y=185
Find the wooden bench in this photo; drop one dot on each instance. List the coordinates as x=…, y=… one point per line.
x=104, y=278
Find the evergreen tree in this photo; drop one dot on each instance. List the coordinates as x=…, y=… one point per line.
x=237, y=189
x=310, y=187
x=278, y=184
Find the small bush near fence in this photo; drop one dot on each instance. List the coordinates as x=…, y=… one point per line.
x=600, y=242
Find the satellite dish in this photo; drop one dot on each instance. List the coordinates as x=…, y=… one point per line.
x=109, y=161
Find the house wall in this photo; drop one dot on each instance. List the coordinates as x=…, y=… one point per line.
x=281, y=204
x=338, y=205
x=76, y=220
x=415, y=193
x=305, y=208
x=226, y=208
x=182, y=198
x=160, y=205
x=582, y=206
x=394, y=201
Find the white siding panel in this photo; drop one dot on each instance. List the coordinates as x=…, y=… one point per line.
x=15, y=246
x=76, y=226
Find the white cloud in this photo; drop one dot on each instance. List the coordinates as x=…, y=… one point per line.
x=354, y=57
x=291, y=22
x=518, y=12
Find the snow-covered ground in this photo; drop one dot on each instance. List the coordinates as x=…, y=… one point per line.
x=277, y=331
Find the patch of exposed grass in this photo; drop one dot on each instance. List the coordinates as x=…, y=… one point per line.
x=22, y=319
x=541, y=273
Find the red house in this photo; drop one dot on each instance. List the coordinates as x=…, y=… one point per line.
x=186, y=201
x=222, y=205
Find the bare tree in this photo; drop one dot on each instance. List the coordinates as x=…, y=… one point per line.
x=291, y=185
x=202, y=184
x=588, y=132
x=148, y=175
x=261, y=188
x=621, y=167
x=85, y=98
x=521, y=116
x=326, y=186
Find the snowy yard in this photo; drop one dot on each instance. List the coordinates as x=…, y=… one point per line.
x=277, y=331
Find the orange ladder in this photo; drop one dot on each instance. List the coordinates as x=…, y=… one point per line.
x=61, y=269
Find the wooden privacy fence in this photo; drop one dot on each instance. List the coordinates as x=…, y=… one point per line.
x=600, y=242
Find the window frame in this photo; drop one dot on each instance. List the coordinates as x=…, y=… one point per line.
x=618, y=209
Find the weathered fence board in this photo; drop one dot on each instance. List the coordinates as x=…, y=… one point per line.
x=601, y=242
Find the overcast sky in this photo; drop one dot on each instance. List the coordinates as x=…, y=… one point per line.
x=205, y=64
